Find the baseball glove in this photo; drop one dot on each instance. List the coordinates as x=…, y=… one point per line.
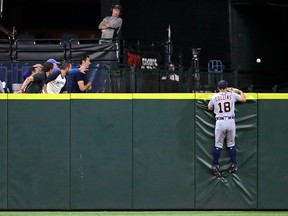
x=235, y=90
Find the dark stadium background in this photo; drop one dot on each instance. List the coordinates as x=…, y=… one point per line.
x=236, y=31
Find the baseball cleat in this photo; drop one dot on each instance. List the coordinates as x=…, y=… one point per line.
x=233, y=168
x=216, y=170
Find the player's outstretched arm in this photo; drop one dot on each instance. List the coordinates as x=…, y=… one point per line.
x=243, y=96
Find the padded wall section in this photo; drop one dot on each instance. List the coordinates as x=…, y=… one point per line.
x=138, y=151
x=236, y=191
x=3, y=151
x=101, y=152
x=273, y=151
x=38, y=151
x=163, y=152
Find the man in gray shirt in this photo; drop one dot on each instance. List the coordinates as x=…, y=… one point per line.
x=111, y=25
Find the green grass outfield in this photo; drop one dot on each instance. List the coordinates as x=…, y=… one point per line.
x=144, y=213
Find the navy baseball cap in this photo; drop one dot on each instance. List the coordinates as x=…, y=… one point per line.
x=53, y=61
x=222, y=84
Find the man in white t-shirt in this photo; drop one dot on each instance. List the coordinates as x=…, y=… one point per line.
x=1, y=87
x=56, y=83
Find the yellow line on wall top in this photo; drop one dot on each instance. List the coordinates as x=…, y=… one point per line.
x=3, y=96
x=106, y=96
x=174, y=96
x=273, y=96
x=39, y=96
x=131, y=96
x=207, y=96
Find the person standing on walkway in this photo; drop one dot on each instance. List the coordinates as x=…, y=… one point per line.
x=110, y=26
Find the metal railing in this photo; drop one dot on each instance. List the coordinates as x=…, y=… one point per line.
x=17, y=57
x=129, y=79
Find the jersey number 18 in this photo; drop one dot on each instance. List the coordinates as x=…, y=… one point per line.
x=225, y=106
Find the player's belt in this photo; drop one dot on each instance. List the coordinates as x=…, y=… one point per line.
x=225, y=118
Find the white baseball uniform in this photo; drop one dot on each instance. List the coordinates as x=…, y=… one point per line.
x=223, y=104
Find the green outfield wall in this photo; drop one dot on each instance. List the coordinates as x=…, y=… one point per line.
x=138, y=152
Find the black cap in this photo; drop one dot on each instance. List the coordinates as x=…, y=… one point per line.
x=222, y=84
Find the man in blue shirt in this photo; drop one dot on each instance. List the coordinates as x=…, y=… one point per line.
x=80, y=82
